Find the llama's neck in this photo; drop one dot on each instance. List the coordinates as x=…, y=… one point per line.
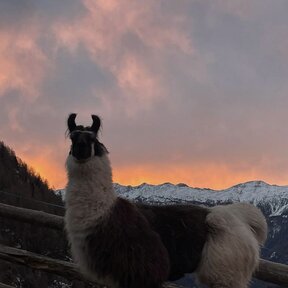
x=89, y=193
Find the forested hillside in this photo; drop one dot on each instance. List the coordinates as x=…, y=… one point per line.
x=21, y=186
x=20, y=180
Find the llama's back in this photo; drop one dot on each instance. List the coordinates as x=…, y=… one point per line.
x=236, y=233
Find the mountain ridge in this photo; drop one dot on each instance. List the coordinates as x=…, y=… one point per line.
x=255, y=192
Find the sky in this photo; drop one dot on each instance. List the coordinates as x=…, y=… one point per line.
x=188, y=92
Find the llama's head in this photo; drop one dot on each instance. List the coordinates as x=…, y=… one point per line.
x=85, y=144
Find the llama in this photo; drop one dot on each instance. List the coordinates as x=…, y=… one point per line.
x=126, y=245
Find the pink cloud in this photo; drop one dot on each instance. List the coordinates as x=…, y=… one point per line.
x=143, y=54
x=134, y=76
x=23, y=64
x=105, y=30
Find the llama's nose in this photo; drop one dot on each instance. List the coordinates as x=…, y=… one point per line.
x=81, y=150
x=80, y=154
x=81, y=145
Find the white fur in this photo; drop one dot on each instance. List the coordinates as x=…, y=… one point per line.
x=89, y=192
x=231, y=252
x=89, y=197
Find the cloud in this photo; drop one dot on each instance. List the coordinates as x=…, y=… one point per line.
x=188, y=92
x=23, y=64
x=27, y=47
x=237, y=8
x=106, y=24
x=126, y=39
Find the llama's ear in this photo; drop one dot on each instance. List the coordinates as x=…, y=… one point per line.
x=96, y=123
x=71, y=122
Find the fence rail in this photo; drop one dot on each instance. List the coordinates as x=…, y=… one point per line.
x=5, y=286
x=268, y=271
x=32, y=216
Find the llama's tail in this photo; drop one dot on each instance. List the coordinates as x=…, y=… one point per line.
x=223, y=217
x=253, y=217
x=231, y=252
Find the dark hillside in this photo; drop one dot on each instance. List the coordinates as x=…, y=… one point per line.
x=21, y=186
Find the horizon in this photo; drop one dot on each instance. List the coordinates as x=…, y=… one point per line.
x=201, y=188
x=188, y=92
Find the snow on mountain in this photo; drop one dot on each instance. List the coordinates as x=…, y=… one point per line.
x=256, y=192
x=60, y=192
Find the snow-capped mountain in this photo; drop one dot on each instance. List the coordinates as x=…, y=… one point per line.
x=256, y=192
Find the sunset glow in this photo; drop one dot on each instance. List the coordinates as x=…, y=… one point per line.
x=208, y=176
x=188, y=92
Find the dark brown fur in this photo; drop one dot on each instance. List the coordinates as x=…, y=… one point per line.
x=183, y=232
x=124, y=248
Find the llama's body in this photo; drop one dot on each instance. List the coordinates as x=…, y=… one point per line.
x=125, y=245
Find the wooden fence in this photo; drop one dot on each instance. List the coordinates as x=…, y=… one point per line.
x=268, y=271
